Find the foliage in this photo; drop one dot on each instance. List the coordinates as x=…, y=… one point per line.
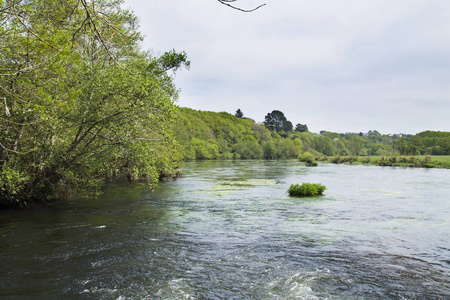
x=301, y=128
x=312, y=164
x=239, y=113
x=306, y=189
x=236, y=137
x=276, y=121
x=307, y=157
x=82, y=102
x=395, y=161
x=243, y=138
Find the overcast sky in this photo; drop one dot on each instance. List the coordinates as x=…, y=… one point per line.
x=337, y=65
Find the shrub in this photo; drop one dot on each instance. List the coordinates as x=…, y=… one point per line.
x=306, y=189
x=307, y=157
x=12, y=187
x=312, y=164
x=336, y=159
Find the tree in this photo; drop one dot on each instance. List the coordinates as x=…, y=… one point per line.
x=276, y=121
x=356, y=144
x=339, y=145
x=239, y=114
x=301, y=128
x=84, y=102
x=324, y=145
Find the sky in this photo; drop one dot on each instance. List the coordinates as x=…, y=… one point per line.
x=334, y=65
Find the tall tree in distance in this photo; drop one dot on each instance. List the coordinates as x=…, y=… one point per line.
x=276, y=121
x=301, y=128
x=239, y=114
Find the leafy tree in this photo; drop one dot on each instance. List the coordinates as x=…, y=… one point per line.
x=339, y=145
x=84, y=103
x=239, y=114
x=301, y=128
x=270, y=150
x=276, y=121
x=401, y=145
x=324, y=145
x=248, y=148
x=356, y=144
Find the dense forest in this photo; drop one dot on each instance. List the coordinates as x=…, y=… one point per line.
x=210, y=135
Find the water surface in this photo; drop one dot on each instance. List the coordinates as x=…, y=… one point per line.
x=228, y=230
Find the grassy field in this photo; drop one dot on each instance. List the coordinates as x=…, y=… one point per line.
x=422, y=161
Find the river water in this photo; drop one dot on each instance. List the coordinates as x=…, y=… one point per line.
x=229, y=230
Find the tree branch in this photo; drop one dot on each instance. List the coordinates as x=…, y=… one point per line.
x=227, y=3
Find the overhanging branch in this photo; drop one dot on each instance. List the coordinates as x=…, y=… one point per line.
x=227, y=3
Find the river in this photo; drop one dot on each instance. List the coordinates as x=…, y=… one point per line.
x=229, y=230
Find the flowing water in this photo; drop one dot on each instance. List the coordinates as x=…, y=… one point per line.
x=229, y=230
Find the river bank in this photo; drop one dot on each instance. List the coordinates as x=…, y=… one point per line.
x=418, y=161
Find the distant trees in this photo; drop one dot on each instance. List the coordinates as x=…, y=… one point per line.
x=430, y=142
x=239, y=113
x=356, y=144
x=276, y=121
x=301, y=128
x=210, y=135
x=238, y=138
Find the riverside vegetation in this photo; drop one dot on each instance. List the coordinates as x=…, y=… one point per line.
x=210, y=135
x=82, y=103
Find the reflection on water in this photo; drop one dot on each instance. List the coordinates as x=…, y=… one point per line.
x=228, y=230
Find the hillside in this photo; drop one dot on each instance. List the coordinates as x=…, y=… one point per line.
x=211, y=135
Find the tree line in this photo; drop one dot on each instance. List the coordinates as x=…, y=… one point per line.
x=210, y=135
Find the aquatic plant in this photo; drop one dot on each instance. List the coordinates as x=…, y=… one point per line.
x=312, y=164
x=309, y=159
x=306, y=189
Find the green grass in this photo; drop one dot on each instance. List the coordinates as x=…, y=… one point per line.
x=414, y=161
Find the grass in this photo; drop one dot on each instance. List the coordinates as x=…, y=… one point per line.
x=415, y=161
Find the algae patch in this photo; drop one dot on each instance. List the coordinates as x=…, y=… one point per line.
x=251, y=182
x=225, y=187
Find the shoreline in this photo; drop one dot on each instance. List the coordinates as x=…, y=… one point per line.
x=412, y=161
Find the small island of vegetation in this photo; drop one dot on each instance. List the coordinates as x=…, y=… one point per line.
x=306, y=190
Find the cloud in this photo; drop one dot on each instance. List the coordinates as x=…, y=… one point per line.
x=334, y=65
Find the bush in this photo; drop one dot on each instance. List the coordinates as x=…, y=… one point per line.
x=12, y=185
x=309, y=159
x=336, y=159
x=306, y=157
x=306, y=189
x=312, y=164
